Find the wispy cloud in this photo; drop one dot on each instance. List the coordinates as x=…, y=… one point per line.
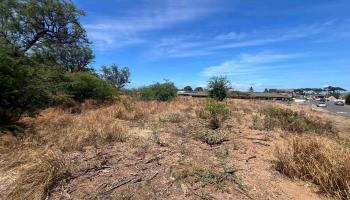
x=200, y=45
x=147, y=16
x=249, y=64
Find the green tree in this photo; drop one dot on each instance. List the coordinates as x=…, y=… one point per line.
x=48, y=29
x=347, y=99
x=251, y=89
x=199, y=89
x=118, y=77
x=218, y=87
x=266, y=90
x=188, y=88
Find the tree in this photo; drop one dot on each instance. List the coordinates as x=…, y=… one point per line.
x=218, y=87
x=188, y=89
x=251, y=89
x=332, y=89
x=199, y=89
x=347, y=99
x=72, y=58
x=48, y=29
x=266, y=90
x=118, y=77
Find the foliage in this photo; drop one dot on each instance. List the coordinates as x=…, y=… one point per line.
x=218, y=87
x=47, y=29
x=188, y=88
x=84, y=85
x=25, y=85
x=159, y=91
x=70, y=57
x=218, y=113
x=118, y=77
x=28, y=24
x=251, y=89
x=199, y=89
x=347, y=99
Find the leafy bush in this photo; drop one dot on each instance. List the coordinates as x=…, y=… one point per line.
x=218, y=113
x=25, y=85
x=84, y=85
x=218, y=87
x=294, y=121
x=347, y=99
x=159, y=91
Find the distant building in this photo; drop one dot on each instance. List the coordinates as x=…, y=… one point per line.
x=240, y=95
x=289, y=92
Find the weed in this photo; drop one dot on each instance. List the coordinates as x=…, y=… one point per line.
x=210, y=176
x=173, y=117
x=256, y=123
x=218, y=113
x=212, y=137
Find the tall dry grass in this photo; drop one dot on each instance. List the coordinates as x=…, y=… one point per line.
x=320, y=160
x=31, y=174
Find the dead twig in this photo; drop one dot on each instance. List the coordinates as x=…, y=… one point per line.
x=261, y=143
x=251, y=157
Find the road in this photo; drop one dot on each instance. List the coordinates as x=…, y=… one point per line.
x=340, y=110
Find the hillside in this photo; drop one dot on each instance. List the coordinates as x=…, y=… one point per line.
x=133, y=149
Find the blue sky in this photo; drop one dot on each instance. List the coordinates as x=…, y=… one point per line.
x=264, y=44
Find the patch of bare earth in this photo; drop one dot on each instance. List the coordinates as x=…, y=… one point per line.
x=161, y=159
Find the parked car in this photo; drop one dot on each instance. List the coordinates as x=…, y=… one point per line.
x=339, y=103
x=321, y=104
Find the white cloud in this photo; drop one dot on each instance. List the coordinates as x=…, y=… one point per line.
x=148, y=16
x=201, y=45
x=249, y=64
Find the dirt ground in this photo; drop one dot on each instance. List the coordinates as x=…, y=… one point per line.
x=162, y=160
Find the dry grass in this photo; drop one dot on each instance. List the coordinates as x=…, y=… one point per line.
x=294, y=121
x=34, y=163
x=320, y=160
x=73, y=132
x=32, y=174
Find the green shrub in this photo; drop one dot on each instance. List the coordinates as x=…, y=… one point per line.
x=218, y=113
x=218, y=87
x=84, y=85
x=158, y=91
x=347, y=99
x=26, y=86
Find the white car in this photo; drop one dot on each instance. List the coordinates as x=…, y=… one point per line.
x=321, y=104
